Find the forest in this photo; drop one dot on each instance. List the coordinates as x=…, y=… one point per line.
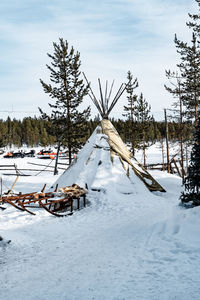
x=37, y=131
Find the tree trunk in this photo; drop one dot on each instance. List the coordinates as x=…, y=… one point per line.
x=56, y=163
x=144, y=152
x=162, y=150
x=167, y=140
x=70, y=154
x=132, y=133
x=181, y=136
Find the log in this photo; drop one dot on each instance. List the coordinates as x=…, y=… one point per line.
x=35, y=170
x=179, y=173
x=13, y=185
x=41, y=165
x=4, y=166
x=11, y=174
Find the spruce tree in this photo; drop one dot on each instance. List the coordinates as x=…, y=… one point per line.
x=68, y=91
x=3, y=131
x=192, y=181
x=144, y=119
x=190, y=67
x=130, y=109
x=9, y=135
x=176, y=88
x=190, y=72
x=194, y=23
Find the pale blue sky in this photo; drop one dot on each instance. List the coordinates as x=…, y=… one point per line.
x=112, y=37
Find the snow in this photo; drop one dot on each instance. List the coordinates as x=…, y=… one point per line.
x=127, y=243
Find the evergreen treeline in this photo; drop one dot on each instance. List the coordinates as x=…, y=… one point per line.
x=154, y=131
x=37, y=132
x=30, y=132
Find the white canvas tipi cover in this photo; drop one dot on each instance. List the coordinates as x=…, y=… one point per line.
x=105, y=158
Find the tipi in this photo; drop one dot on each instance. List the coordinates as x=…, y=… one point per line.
x=105, y=161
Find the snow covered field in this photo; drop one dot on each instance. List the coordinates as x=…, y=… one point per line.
x=137, y=246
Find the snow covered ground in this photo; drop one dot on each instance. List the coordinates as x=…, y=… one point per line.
x=140, y=245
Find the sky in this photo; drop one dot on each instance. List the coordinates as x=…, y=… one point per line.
x=112, y=36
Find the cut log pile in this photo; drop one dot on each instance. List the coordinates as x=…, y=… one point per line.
x=58, y=203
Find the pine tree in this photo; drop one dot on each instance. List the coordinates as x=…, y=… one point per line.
x=16, y=133
x=194, y=24
x=130, y=109
x=68, y=91
x=157, y=134
x=144, y=119
x=190, y=73
x=192, y=181
x=177, y=90
x=3, y=130
x=9, y=140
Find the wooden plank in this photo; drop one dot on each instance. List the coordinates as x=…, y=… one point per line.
x=157, y=164
x=41, y=165
x=35, y=170
x=8, y=174
x=179, y=173
x=4, y=166
x=183, y=170
x=14, y=183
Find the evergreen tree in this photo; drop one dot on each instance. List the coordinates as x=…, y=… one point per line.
x=130, y=109
x=176, y=89
x=190, y=67
x=157, y=134
x=9, y=135
x=194, y=23
x=44, y=138
x=190, y=70
x=144, y=120
x=192, y=181
x=68, y=91
x=3, y=130
x=16, y=133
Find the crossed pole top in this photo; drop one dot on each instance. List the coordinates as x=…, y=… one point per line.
x=103, y=105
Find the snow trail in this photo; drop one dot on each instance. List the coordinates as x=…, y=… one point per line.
x=139, y=245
